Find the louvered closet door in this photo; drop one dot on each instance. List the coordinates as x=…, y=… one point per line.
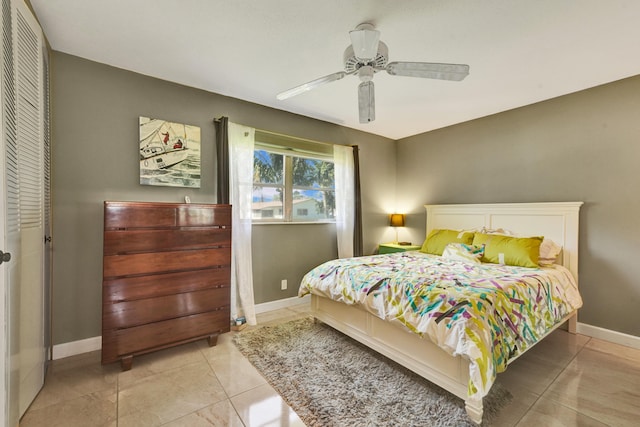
x=24, y=211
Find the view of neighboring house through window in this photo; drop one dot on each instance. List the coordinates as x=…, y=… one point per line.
x=292, y=185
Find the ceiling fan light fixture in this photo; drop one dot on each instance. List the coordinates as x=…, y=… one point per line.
x=364, y=40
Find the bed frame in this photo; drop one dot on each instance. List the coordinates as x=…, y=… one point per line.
x=557, y=221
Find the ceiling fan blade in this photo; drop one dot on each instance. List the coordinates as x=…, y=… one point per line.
x=366, y=102
x=428, y=70
x=310, y=85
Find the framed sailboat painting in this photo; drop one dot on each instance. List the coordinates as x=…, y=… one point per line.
x=169, y=153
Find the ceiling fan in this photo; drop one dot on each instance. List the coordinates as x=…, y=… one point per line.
x=366, y=56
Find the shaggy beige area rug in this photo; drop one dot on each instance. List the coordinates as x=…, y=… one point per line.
x=331, y=380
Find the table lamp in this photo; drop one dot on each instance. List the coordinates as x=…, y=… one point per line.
x=395, y=221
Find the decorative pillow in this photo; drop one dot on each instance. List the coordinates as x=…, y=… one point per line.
x=438, y=239
x=463, y=252
x=517, y=251
x=549, y=252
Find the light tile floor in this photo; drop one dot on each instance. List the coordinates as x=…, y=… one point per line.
x=565, y=380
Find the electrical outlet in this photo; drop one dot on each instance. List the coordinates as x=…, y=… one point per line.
x=283, y=284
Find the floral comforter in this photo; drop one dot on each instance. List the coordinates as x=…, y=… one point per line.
x=487, y=313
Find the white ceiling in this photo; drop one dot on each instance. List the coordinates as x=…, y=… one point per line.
x=520, y=51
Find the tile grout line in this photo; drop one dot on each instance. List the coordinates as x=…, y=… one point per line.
x=584, y=347
x=229, y=397
x=551, y=383
x=223, y=389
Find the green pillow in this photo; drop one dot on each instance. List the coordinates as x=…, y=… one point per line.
x=438, y=239
x=517, y=251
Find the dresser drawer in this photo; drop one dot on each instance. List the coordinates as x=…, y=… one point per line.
x=139, y=312
x=164, y=262
x=197, y=216
x=157, y=285
x=118, y=242
x=127, y=215
x=141, y=339
x=155, y=215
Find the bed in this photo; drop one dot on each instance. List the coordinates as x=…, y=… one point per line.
x=451, y=348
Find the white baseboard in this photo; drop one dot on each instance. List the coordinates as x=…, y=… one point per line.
x=72, y=348
x=67, y=349
x=95, y=343
x=282, y=303
x=609, y=335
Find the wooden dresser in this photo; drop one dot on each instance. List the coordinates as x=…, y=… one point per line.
x=166, y=276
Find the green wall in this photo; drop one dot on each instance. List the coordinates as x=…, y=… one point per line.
x=580, y=147
x=95, y=110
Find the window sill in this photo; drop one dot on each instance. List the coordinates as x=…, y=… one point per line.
x=294, y=223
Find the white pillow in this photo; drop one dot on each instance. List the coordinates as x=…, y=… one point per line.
x=463, y=252
x=501, y=231
x=549, y=251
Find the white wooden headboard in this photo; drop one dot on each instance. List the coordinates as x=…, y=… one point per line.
x=557, y=221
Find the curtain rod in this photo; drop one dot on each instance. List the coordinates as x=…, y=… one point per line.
x=218, y=120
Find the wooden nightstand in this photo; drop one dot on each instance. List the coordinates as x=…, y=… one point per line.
x=388, y=248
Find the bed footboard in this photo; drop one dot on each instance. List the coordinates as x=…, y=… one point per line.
x=407, y=349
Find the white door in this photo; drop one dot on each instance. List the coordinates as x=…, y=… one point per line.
x=23, y=212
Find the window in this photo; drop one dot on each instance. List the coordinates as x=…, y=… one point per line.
x=266, y=213
x=290, y=184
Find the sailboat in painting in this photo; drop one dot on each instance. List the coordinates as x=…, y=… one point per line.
x=161, y=144
x=169, y=153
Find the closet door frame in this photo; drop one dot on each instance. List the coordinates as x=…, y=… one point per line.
x=23, y=210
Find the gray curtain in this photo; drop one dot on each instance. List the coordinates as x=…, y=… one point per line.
x=357, y=220
x=222, y=154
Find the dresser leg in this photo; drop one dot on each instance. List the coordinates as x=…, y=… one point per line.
x=126, y=362
x=212, y=340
